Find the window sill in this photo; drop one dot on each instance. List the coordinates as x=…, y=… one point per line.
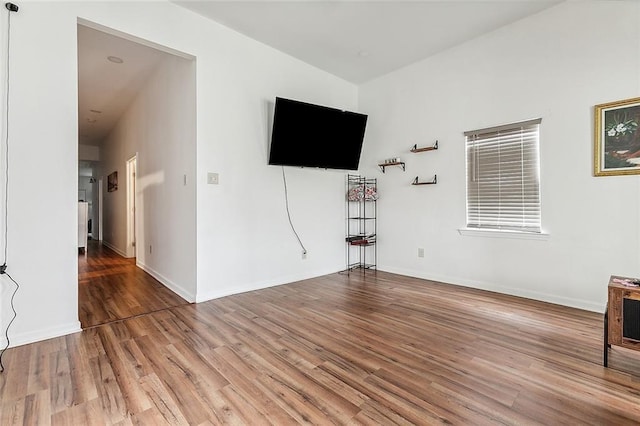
x=494, y=233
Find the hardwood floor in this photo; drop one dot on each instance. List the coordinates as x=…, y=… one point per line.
x=359, y=349
x=111, y=288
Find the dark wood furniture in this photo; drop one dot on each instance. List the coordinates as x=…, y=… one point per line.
x=622, y=317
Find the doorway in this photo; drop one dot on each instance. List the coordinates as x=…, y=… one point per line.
x=120, y=277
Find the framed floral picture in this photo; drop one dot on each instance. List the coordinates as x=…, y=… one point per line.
x=617, y=138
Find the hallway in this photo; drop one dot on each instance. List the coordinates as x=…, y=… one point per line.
x=112, y=288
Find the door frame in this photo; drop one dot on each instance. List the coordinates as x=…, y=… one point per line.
x=100, y=203
x=132, y=201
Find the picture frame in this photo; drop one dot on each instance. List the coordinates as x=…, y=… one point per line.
x=617, y=138
x=112, y=182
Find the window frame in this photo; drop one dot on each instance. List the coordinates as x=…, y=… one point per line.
x=515, y=139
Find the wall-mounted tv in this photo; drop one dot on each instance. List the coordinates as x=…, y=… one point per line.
x=308, y=135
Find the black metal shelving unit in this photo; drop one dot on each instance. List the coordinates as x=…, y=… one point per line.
x=361, y=223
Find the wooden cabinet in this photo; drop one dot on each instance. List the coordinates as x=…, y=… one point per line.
x=622, y=317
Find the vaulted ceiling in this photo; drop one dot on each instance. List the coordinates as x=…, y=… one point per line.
x=361, y=40
x=355, y=40
x=106, y=88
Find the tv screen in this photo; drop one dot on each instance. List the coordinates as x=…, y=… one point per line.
x=308, y=135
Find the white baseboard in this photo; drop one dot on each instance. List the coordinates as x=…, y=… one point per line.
x=114, y=248
x=41, y=334
x=216, y=294
x=179, y=290
x=519, y=292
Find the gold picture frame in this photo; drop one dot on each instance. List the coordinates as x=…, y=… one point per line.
x=617, y=138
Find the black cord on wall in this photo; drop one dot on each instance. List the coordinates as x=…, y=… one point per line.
x=15, y=314
x=286, y=200
x=3, y=268
x=6, y=140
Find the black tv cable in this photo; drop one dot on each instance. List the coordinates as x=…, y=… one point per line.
x=3, y=268
x=286, y=200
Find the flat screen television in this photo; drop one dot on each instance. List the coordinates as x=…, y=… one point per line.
x=308, y=135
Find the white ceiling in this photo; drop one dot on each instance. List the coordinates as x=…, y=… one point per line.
x=105, y=86
x=355, y=40
x=361, y=40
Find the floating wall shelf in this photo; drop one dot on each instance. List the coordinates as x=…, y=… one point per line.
x=432, y=182
x=397, y=163
x=415, y=148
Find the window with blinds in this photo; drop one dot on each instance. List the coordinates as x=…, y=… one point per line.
x=503, y=177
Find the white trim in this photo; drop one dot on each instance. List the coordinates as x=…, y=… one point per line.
x=483, y=151
x=215, y=294
x=100, y=209
x=497, y=233
x=518, y=292
x=177, y=289
x=131, y=166
x=114, y=248
x=129, y=37
x=42, y=334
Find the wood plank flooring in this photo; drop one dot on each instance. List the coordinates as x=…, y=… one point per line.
x=359, y=349
x=111, y=288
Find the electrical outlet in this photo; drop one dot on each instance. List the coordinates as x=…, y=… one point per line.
x=212, y=178
x=420, y=252
x=304, y=255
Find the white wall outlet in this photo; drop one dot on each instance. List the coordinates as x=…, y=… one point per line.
x=212, y=178
x=420, y=252
x=304, y=255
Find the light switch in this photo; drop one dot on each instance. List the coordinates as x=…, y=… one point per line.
x=212, y=178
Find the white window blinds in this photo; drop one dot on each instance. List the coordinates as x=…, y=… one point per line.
x=503, y=178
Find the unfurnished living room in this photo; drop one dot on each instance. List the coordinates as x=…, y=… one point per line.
x=324, y=212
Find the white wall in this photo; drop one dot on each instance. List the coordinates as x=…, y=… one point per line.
x=88, y=152
x=42, y=214
x=555, y=65
x=159, y=128
x=243, y=238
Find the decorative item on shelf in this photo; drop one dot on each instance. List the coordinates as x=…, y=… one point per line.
x=394, y=160
x=415, y=148
x=361, y=240
x=432, y=182
x=362, y=192
x=391, y=162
